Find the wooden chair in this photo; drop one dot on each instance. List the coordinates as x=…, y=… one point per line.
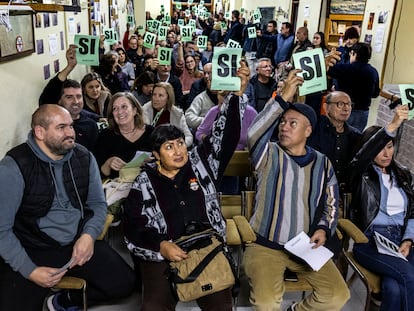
x=301, y=285
x=231, y=205
x=74, y=283
x=351, y=234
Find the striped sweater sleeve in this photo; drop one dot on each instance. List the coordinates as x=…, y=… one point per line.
x=262, y=128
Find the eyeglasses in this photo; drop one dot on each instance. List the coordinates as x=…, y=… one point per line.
x=342, y=104
x=266, y=66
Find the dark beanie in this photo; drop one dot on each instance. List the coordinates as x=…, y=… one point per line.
x=307, y=111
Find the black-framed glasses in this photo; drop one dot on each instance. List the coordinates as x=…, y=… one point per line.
x=341, y=104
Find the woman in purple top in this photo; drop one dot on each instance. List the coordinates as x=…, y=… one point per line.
x=205, y=127
x=229, y=184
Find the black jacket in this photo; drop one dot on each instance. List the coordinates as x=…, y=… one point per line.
x=38, y=198
x=324, y=138
x=359, y=80
x=366, y=194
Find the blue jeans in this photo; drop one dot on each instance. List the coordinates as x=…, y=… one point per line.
x=397, y=275
x=359, y=119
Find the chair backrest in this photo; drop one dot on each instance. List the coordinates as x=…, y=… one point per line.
x=239, y=164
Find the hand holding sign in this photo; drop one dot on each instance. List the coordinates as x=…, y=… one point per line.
x=401, y=114
x=407, y=98
x=243, y=72
x=332, y=58
x=292, y=82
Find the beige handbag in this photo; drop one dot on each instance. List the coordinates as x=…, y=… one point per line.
x=208, y=269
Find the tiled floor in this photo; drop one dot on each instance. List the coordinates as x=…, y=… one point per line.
x=356, y=303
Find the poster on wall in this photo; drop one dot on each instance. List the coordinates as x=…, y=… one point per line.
x=347, y=7
x=19, y=42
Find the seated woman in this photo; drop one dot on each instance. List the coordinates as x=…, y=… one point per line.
x=143, y=85
x=176, y=191
x=161, y=110
x=96, y=96
x=186, y=70
x=229, y=184
x=127, y=133
x=204, y=130
x=126, y=65
x=383, y=202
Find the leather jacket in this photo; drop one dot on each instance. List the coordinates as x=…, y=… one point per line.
x=366, y=194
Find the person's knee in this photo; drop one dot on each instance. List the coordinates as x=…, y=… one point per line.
x=390, y=288
x=340, y=293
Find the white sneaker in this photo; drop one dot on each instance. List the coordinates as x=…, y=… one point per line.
x=292, y=307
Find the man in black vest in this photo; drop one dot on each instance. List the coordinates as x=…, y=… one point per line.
x=53, y=209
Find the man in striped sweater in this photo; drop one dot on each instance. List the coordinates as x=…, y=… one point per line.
x=296, y=191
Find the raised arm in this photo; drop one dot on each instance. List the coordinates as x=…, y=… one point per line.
x=262, y=128
x=368, y=151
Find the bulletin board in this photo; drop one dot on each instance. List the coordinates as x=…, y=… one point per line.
x=16, y=34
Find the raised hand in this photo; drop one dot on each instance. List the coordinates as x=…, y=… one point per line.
x=292, y=82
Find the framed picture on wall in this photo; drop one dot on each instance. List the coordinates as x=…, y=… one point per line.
x=17, y=38
x=355, y=7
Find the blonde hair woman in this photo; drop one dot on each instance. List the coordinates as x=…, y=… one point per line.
x=162, y=110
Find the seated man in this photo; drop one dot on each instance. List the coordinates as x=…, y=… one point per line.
x=68, y=93
x=261, y=85
x=86, y=129
x=53, y=209
x=334, y=137
x=296, y=191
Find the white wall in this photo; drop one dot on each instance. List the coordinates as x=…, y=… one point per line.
x=154, y=6
x=399, y=63
x=377, y=6
x=309, y=13
x=22, y=80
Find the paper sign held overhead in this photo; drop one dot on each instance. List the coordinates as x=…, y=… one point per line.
x=312, y=63
x=225, y=63
x=251, y=32
x=232, y=44
x=149, y=40
x=186, y=33
x=110, y=36
x=162, y=33
x=87, y=52
x=164, y=56
x=407, y=98
x=202, y=42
